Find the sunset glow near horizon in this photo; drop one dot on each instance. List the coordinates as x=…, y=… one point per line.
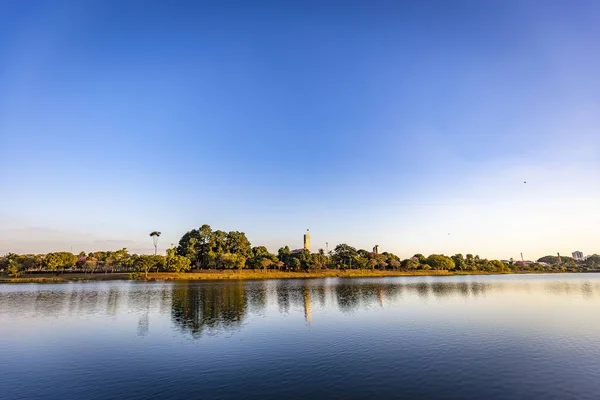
x=432, y=127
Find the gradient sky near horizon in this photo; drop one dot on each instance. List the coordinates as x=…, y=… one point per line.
x=409, y=125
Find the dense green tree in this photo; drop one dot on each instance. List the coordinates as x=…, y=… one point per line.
x=267, y=263
x=554, y=260
x=420, y=257
x=371, y=263
x=459, y=261
x=145, y=263
x=59, y=261
x=218, y=242
x=469, y=260
x=206, y=242
x=439, y=262
x=233, y=261
x=394, y=263
x=392, y=260
x=237, y=243
x=378, y=261
x=363, y=253
x=159, y=262
x=305, y=259
x=4, y=260
x=498, y=266
x=409, y=264
x=176, y=263
x=261, y=258
x=285, y=256
x=26, y=262
x=189, y=246
x=592, y=261
x=14, y=268
x=295, y=264
x=318, y=260
x=359, y=262
x=343, y=255
x=197, y=244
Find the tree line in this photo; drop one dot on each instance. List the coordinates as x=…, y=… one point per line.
x=205, y=248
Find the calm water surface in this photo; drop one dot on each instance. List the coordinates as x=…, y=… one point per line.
x=491, y=337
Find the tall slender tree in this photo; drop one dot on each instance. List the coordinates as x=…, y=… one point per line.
x=155, y=235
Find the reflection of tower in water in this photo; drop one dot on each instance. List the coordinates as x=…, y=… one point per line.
x=380, y=296
x=307, y=306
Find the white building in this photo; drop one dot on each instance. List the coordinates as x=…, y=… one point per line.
x=577, y=256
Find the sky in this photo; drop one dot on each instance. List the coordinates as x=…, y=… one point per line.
x=424, y=127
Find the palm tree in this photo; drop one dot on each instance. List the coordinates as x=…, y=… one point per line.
x=154, y=235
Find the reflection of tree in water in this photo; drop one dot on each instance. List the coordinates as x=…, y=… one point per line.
x=143, y=324
x=351, y=296
x=283, y=297
x=368, y=293
x=256, y=293
x=208, y=308
x=348, y=296
x=443, y=290
x=464, y=289
x=586, y=288
x=422, y=289
x=53, y=303
x=479, y=288
x=112, y=302
x=318, y=293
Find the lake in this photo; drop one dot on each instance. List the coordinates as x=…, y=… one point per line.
x=463, y=337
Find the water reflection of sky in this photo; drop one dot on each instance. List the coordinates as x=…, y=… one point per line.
x=498, y=335
x=555, y=302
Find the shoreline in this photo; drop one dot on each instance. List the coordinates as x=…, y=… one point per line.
x=244, y=275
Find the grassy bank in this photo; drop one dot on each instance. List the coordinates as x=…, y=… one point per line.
x=249, y=274
x=228, y=274
x=66, y=277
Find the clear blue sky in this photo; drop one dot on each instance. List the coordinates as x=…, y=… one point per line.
x=410, y=125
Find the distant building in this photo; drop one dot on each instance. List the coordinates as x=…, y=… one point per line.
x=523, y=263
x=376, y=249
x=578, y=256
x=543, y=264
x=307, y=241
